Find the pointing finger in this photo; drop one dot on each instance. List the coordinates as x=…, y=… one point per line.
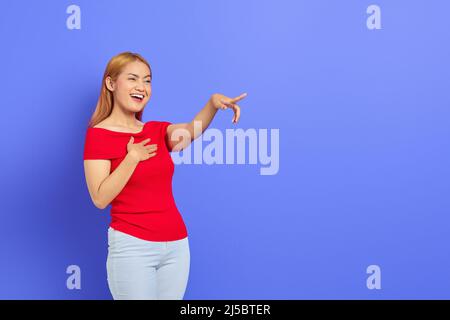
x=239, y=98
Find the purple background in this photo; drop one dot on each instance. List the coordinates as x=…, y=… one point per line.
x=364, y=125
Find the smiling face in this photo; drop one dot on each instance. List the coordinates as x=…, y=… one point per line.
x=132, y=88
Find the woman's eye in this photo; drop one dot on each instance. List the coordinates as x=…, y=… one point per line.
x=149, y=81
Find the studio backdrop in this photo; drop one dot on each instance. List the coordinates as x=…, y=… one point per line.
x=334, y=184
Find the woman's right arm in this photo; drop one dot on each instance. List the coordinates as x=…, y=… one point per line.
x=103, y=186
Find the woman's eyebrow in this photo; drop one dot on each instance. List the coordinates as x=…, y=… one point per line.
x=138, y=76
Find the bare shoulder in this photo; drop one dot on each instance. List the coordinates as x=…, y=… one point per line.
x=106, y=124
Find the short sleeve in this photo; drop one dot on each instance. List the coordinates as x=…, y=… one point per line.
x=99, y=145
x=164, y=135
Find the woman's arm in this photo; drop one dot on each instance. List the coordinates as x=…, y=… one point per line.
x=104, y=187
x=181, y=135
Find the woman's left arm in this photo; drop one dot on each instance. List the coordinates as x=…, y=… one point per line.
x=181, y=135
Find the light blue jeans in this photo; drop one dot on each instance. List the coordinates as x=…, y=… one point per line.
x=146, y=270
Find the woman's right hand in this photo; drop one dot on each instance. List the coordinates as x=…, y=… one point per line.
x=140, y=151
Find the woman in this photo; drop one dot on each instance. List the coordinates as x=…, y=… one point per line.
x=127, y=164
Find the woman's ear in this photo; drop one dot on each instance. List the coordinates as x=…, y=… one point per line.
x=109, y=83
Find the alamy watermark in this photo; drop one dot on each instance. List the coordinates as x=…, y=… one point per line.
x=73, y=281
x=374, y=279
x=239, y=146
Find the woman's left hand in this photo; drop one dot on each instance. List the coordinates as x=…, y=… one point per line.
x=219, y=101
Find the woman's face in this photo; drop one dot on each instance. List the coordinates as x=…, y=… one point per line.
x=134, y=79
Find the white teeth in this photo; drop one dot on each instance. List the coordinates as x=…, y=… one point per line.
x=140, y=96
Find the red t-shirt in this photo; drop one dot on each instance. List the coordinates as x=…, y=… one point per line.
x=145, y=208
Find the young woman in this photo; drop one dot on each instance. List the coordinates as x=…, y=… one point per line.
x=127, y=164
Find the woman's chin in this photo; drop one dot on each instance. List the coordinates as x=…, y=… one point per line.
x=136, y=108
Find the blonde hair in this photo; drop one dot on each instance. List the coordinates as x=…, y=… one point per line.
x=113, y=69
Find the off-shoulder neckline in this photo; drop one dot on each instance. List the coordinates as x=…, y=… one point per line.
x=122, y=133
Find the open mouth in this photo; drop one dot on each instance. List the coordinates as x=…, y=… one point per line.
x=137, y=97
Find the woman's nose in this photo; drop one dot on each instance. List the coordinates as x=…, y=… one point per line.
x=140, y=87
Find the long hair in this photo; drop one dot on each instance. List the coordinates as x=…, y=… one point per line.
x=106, y=100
